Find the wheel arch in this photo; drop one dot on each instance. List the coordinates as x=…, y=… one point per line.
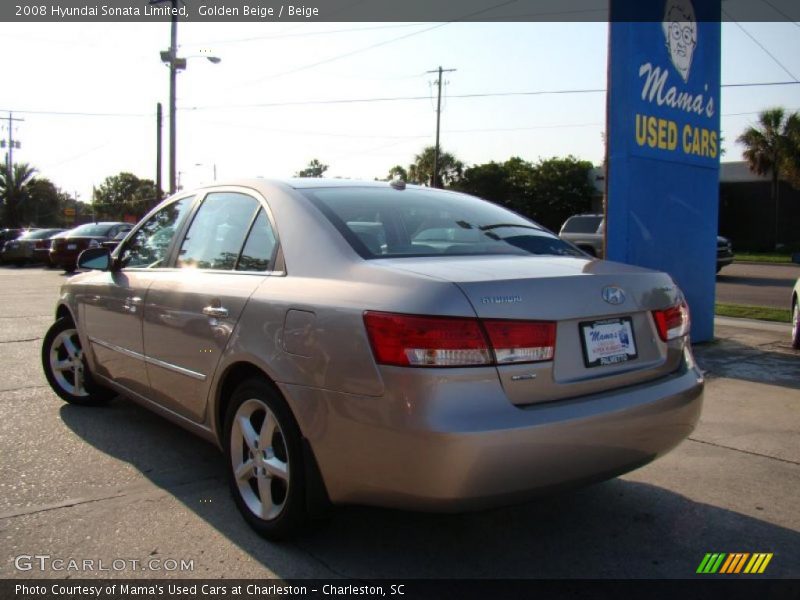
x=317, y=500
x=63, y=311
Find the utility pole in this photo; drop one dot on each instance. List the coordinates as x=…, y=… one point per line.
x=11, y=143
x=159, y=189
x=170, y=57
x=435, y=178
x=173, y=73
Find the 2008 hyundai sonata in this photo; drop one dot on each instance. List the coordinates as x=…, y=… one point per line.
x=378, y=343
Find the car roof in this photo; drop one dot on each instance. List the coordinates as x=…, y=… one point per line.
x=299, y=183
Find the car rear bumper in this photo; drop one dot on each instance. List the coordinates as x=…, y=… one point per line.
x=460, y=447
x=64, y=259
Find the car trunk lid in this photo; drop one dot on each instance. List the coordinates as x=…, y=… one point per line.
x=589, y=300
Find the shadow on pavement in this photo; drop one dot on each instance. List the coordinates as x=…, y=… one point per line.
x=617, y=529
x=775, y=363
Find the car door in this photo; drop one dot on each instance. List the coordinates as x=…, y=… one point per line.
x=191, y=312
x=112, y=305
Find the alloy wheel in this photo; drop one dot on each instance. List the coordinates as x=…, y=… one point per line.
x=66, y=363
x=259, y=459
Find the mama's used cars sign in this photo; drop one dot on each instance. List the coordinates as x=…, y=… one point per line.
x=664, y=143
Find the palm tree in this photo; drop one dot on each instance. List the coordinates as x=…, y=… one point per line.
x=12, y=189
x=449, y=167
x=772, y=149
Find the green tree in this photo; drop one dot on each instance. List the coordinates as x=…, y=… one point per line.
x=123, y=194
x=314, y=169
x=502, y=183
x=560, y=188
x=773, y=148
x=13, y=191
x=45, y=204
x=421, y=171
x=548, y=192
x=398, y=172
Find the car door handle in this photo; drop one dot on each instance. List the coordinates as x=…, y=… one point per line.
x=218, y=312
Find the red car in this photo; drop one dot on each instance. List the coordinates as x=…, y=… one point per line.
x=64, y=251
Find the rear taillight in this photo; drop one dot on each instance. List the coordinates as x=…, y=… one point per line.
x=421, y=341
x=521, y=341
x=673, y=322
x=409, y=340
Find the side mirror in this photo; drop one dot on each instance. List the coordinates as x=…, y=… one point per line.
x=98, y=259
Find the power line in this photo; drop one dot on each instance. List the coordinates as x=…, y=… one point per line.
x=760, y=45
x=278, y=36
x=781, y=13
x=473, y=95
x=372, y=46
x=364, y=100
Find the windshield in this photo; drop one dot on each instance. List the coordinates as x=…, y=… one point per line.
x=91, y=229
x=385, y=223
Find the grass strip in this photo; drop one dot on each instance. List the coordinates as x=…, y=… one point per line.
x=762, y=313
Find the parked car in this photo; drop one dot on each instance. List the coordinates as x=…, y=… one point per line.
x=114, y=242
x=586, y=232
x=64, y=251
x=724, y=252
x=796, y=308
x=376, y=343
x=8, y=234
x=42, y=251
x=27, y=248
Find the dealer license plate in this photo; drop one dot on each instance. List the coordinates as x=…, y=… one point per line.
x=72, y=246
x=607, y=342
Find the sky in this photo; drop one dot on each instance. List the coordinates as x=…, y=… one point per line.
x=88, y=91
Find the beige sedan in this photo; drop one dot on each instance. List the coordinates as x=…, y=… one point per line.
x=377, y=343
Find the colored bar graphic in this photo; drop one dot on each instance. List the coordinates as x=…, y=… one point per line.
x=765, y=563
x=711, y=563
x=733, y=563
x=717, y=564
x=703, y=563
x=741, y=562
x=758, y=563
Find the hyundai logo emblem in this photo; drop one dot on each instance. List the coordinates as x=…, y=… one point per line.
x=613, y=294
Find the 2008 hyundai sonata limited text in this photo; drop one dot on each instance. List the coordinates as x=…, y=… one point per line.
x=377, y=343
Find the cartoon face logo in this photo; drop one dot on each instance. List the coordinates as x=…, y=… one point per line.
x=680, y=31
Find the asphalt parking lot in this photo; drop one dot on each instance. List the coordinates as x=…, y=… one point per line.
x=119, y=484
x=757, y=284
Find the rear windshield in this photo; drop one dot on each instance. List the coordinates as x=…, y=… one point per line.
x=91, y=229
x=581, y=225
x=40, y=234
x=385, y=223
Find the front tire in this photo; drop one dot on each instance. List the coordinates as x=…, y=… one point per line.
x=65, y=366
x=265, y=460
x=796, y=324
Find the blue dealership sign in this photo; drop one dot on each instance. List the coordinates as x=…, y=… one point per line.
x=664, y=144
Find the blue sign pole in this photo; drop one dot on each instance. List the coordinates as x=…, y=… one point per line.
x=664, y=144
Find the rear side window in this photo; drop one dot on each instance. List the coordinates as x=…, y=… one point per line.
x=582, y=225
x=259, y=249
x=385, y=223
x=218, y=231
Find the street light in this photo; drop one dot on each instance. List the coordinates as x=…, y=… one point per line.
x=175, y=63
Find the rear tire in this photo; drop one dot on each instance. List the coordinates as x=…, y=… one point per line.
x=65, y=366
x=265, y=471
x=796, y=324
